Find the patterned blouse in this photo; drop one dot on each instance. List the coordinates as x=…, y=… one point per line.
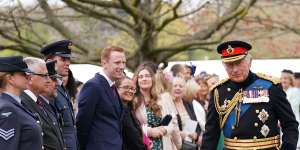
x=154, y=121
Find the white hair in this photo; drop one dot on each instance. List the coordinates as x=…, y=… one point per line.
x=34, y=64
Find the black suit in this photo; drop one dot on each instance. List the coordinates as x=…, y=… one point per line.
x=51, y=135
x=52, y=141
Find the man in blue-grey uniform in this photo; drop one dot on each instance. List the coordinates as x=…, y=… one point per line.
x=250, y=108
x=60, y=51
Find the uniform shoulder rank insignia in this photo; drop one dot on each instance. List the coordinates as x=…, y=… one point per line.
x=267, y=77
x=219, y=83
x=6, y=135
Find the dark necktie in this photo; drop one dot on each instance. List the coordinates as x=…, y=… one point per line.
x=115, y=92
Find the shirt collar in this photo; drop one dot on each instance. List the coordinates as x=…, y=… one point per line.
x=31, y=95
x=45, y=99
x=15, y=97
x=110, y=82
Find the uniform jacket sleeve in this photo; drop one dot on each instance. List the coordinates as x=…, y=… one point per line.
x=212, y=128
x=284, y=112
x=87, y=102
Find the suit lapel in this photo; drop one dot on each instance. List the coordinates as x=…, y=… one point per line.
x=29, y=102
x=117, y=104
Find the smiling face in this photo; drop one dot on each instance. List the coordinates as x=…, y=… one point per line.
x=144, y=79
x=114, y=65
x=178, y=87
x=127, y=90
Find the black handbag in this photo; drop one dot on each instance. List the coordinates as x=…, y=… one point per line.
x=187, y=145
x=166, y=120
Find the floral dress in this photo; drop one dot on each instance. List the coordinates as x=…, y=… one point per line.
x=154, y=121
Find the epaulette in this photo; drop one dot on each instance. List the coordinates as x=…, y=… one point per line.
x=219, y=83
x=274, y=80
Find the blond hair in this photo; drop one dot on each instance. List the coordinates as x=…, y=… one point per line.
x=192, y=87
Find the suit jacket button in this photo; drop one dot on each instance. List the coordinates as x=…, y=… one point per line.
x=256, y=124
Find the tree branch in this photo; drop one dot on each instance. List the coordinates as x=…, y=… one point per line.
x=59, y=26
x=108, y=4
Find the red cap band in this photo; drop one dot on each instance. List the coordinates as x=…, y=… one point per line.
x=233, y=51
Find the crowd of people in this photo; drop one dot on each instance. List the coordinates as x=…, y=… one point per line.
x=42, y=106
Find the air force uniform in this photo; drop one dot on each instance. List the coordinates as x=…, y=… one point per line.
x=250, y=113
x=63, y=100
x=18, y=127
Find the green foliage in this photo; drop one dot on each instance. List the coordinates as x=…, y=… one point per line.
x=10, y=53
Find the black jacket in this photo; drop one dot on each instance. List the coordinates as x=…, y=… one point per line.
x=251, y=124
x=52, y=137
x=132, y=132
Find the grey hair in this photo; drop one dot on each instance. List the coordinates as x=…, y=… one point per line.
x=248, y=57
x=33, y=63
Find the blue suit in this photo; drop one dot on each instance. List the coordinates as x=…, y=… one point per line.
x=99, y=118
x=65, y=108
x=18, y=127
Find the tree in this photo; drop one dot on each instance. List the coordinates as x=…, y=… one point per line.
x=144, y=21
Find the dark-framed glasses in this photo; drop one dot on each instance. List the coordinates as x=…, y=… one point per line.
x=128, y=88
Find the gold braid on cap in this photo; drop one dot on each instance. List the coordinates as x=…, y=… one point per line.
x=224, y=112
x=269, y=78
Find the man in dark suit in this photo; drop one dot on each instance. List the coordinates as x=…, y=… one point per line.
x=248, y=106
x=39, y=83
x=60, y=51
x=100, y=111
x=54, y=140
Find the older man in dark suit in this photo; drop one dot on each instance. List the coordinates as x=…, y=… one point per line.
x=100, y=111
x=39, y=83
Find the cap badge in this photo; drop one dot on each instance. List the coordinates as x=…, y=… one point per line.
x=230, y=49
x=70, y=46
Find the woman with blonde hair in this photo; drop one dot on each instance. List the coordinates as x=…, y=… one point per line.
x=172, y=139
x=187, y=120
